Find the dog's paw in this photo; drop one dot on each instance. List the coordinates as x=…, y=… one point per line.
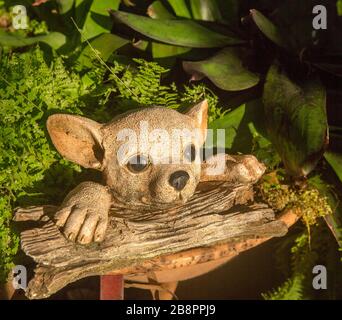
x=82, y=224
x=248, y=169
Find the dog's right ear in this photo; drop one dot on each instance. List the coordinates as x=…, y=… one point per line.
x=199, y=113
x=77, y=139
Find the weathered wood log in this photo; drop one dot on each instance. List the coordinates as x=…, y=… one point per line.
x=217, y=213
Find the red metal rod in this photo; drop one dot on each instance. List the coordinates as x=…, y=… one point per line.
x=111, y=287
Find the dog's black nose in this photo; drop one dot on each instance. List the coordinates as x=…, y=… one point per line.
x=179, y=179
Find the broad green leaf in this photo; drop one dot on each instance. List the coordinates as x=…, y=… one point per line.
x=180, y=8
x=98, y=20
x=52, y=19
x=54, y=39
x=230, y=122
x=241, y=126
x=82, y=8
x=185, y=33
x=335, y=161
x=65, y=5
x=224, y=69
x=141, y=45
x=157, y=11
x=268, y=28
x=128, y=3
x=63, y=22
x=205, y=10
x=339, y=7
x=294, y=19
x=333, y=220
x=229, y=9
x=296, y=119
x=105, y=44
x=162, y=50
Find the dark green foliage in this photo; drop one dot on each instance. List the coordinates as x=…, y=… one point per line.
x=141, y=84
x=35, y=32
x=175, y=31
x=285, y=33
x=296, y=119
x=310, y=243
x=297, y=255
x=339, y=7
x=226, y=61
x=335, y=160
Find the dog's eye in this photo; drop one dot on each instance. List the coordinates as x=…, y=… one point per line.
x=190, y=153
x=138, y=163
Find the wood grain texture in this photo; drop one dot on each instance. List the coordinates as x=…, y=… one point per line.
x=218, y=214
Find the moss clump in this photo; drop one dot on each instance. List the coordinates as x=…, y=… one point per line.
x=309, y=201
x=312, y=205
x=277, y=196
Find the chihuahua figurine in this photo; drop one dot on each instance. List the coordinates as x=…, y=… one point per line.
x=136, y=164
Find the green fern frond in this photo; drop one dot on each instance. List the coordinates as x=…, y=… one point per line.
x=29, y=90
x=292, y=289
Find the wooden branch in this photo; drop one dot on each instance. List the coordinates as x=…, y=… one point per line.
x=217, y=213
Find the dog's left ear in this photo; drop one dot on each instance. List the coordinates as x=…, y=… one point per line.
x=199, y=113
